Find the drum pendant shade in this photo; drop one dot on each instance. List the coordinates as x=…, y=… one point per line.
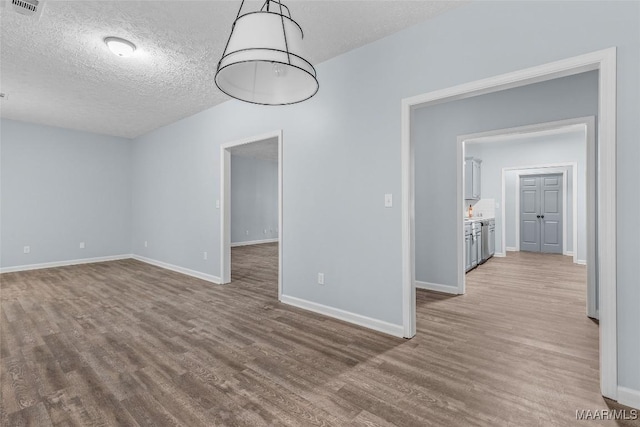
x=263, y=61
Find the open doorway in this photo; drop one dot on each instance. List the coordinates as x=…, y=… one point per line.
x=251, y=210
x=449, y=209
x=516, y=160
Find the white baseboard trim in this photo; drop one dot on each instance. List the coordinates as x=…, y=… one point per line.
x=253, y=242
x=629, y=397
x=447, y=289
x=512, y=249
x=500, y=254
x=178, y=269
x=581, y=261
x=347, y=316
x=63, y=263
x=568, y=253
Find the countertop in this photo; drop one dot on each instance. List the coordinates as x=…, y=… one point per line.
x=478, y=218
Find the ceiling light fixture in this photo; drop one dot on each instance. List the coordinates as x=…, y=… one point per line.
x=262, y=62
x=120, y=47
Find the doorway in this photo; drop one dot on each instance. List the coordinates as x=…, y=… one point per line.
x=605, y=62
x=541, y=221
x=262, y=148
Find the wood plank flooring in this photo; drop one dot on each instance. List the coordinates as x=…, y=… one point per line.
x=128, y=344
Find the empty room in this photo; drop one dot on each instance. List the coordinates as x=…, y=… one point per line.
x=337, y=213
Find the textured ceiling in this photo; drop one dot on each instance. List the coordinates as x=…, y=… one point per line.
x=57, y=70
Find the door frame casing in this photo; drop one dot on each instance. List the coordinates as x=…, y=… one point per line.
x=225, y=204
x=605, y=62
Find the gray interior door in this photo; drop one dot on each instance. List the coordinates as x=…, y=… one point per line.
x=541, y=213
x=551, y=212
x=529, y=216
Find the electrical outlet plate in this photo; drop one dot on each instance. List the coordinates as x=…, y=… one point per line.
x=320, y=278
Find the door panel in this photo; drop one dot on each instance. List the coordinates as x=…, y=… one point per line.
x=541, y=213
x=551, y=202
x=529, y=201
x=530, y=232
x=551, y=212
x=551, y=229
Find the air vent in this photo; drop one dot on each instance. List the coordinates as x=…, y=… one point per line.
x=31, y=8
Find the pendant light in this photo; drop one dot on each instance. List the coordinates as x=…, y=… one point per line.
x=262, y=62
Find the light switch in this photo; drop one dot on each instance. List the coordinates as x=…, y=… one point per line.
x=217, y=204
x=388, y=200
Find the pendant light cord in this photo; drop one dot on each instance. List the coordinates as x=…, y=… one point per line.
x=284, y=32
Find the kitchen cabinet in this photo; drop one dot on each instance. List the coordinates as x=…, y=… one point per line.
x=472, y=244
x=472, y=178
x=467, y=247
x=492, y=238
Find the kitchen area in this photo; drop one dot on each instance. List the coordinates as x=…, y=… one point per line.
x=479, y=229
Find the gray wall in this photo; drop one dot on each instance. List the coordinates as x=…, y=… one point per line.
x=435, y=131
x=59, y=188
x=535, y=150
x=254, y=199
x=341, y=154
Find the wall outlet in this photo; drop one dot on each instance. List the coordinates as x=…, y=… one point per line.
x=146, y=245
x=27, y=249
x=388, y=200
x=320, y=278
x=217, y=204
x=81, y=245
x=204, y=255
x=246, y=232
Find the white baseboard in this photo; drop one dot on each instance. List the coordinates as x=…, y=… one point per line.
x=629, y=397
x=254, y=242
x=581, y=261
x=63, y=263
x=512, y=249
x=568, y=253
x=500, y=254
x=447, y=289
x=188, y=272
x=347, y=316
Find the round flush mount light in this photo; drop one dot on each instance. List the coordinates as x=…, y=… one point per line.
x=120, y=47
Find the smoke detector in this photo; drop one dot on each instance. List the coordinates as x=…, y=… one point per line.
x=30, y=8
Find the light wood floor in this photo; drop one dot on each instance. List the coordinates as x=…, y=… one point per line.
x=124, y=343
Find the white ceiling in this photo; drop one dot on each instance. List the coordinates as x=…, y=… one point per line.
x=57, y=71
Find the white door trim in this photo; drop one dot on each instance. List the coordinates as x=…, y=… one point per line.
x=225, y=204
x=605, y=62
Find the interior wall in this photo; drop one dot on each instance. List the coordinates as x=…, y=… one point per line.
x=254, y=199
x=59, y=188
x=342, y=154
x=532, y=151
